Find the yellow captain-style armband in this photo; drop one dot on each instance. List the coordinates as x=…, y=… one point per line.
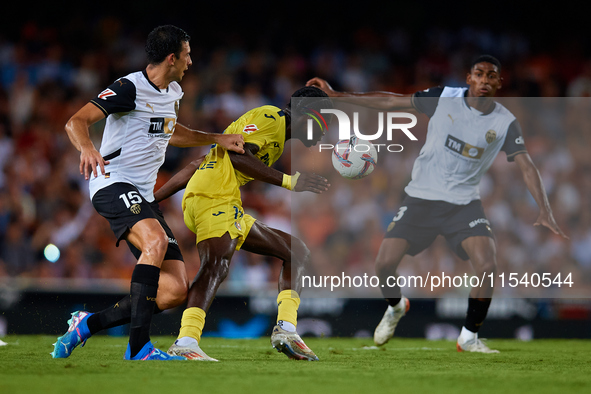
x=289, y=181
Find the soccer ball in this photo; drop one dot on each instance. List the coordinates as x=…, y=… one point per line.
x=354, y=158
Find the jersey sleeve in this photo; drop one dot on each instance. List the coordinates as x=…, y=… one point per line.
x=263, y=128
x=514, y=143
x=426, y=101
x=118, y=97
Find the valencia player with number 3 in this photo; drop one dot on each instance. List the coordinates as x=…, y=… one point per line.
x=467, y=129
x=141, y=110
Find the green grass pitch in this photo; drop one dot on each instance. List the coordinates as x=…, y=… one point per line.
x=346, y=365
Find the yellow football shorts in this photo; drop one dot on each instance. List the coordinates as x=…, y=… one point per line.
x=212, y=218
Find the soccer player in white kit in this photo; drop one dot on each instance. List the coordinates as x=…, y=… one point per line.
x=466, y=131
x=141, y=110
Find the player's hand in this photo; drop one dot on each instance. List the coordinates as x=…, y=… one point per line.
x=546, y=219
x=89, y=159
x=233, y=142
x=322, y=84
x=311, y=183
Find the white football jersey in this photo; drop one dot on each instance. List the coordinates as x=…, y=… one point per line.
x=141, y=119
x=460, y=147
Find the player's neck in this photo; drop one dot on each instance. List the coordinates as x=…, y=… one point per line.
x=483, y=104
x=157, y=74
x=287, y=113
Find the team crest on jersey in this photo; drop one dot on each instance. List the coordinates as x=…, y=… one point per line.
x=250, y=128
x=238, y=226
x=490, y=136
x=135, y=209
x=106, y=93
x=176, y=108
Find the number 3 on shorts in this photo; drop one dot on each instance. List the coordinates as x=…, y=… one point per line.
x=132, y=198
x=399, y=214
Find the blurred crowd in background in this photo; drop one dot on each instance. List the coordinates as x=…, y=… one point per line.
x=48, y=73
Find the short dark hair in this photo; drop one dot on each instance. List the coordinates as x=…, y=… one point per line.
x=486, y=59
x=310, y=91
x=164, y=40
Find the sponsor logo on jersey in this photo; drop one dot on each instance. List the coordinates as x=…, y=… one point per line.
x=250, y=128
x=519, y=140
x=106, y=93
x=452, y=119
x=463, y=148
x=270, y=116
x=150, y=106
x=162, y=126
x=218, y=213
x=476, y=222
x=490, y=136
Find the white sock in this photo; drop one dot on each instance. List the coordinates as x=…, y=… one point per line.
x=186, y=341
x=467, y=335
x=287, y=326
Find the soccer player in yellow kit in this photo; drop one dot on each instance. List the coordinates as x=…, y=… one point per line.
x=213, y=210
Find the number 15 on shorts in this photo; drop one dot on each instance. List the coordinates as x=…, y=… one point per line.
x=130, y=198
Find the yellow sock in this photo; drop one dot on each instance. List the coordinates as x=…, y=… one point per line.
x=288, y=302
x=192, y=323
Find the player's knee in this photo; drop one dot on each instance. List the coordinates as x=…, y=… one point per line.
x=299, y=251
x=383, y=265
x=174, y=295
x=156, y=246
x=486, y=263
x=217, y=268
x=490, y=265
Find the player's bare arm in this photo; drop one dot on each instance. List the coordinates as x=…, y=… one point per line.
x=389, y=100
x=178, y=181
x=249, y=165
x=184, y=137
x=534, y=184
x=77, y=129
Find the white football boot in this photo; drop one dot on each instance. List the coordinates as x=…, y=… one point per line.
x=190, y=352
x=291, y=344
x=468, y=341
x=385, y=330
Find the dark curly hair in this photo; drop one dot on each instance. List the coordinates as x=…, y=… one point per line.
x=164, y=40
x=309, y=91
x=486, y=59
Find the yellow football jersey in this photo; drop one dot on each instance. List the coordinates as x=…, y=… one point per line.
x=216, y=177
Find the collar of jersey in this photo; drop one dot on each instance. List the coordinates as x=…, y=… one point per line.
x=152, y=83
x=470, y=108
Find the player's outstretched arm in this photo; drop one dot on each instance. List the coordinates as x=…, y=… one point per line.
x=389, y=100
x=249, y=165
x=534, y=184
x=77, y=129
x=184, y=137
x=178, y=181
